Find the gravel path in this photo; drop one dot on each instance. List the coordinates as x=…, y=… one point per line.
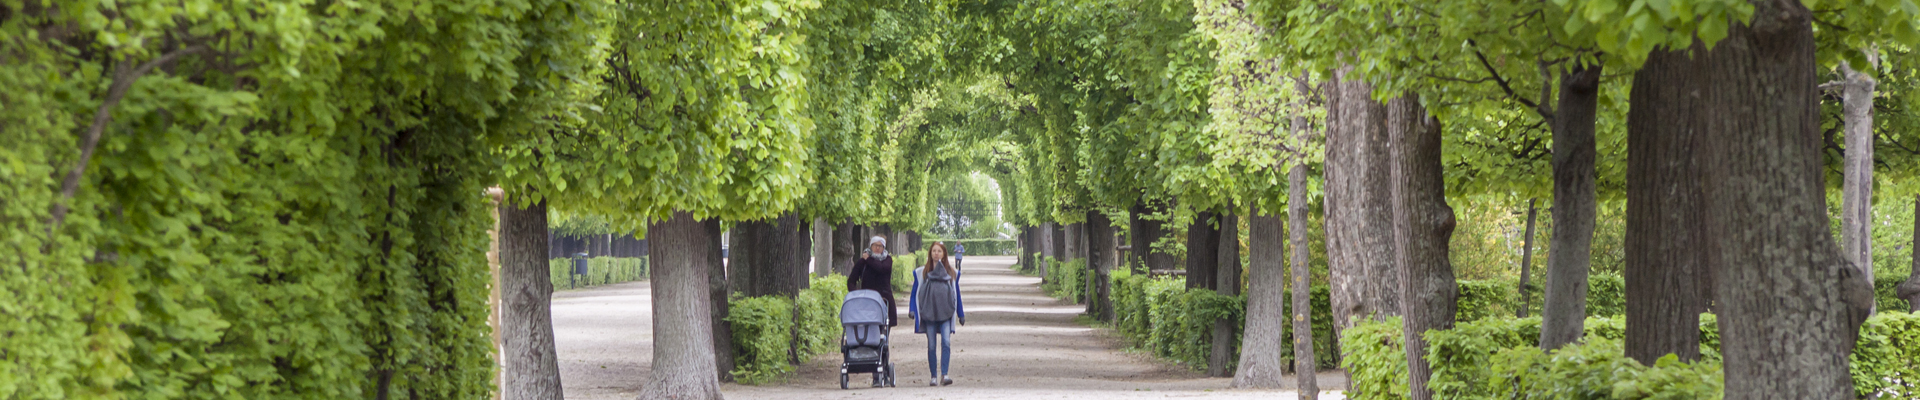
x=1018, y=344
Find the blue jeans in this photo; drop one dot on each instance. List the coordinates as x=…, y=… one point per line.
x=944, y=330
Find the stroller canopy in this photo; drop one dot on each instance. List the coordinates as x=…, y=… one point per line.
x=863, y=307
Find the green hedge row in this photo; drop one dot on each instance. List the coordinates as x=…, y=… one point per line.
x=1606, y=296
x=1499, y=358
x=764, y=329
x=989, y=247
x=1162, y=317
x=1883, y=289
x=600, y=271
x=1066, y=280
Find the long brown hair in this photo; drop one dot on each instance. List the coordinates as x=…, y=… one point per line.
x=943, y=260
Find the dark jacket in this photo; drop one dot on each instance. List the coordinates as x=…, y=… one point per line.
x=876, y=275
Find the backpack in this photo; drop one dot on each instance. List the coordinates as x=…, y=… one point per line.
x=937, y=296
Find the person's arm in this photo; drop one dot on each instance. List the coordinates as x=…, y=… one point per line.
x=913, y=298
x=959, y=304
x=853, y=277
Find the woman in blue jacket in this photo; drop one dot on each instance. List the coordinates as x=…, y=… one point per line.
x=934, y=305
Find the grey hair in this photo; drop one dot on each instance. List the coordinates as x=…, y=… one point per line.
x=881, y=240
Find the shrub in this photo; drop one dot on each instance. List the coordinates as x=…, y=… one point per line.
x=1065, y=279
x=1487, y=298
x=600, y=271
x=903, y=265
x=1159, y=316
x=771, y=331
x=761, y=337
x=1598, y=369
x=1606, y=295
x=1883, y=291
x=1886, y=359
x=1376, y=360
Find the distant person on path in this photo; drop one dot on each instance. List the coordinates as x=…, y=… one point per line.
x=959, y=250
x=934, y=305
x=874, y=271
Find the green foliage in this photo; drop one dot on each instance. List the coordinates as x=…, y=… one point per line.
x=1498, y=358
x=903, y=265
x=601, y=271
x=1886, y=361
x=1606, y=295
x=765, y=329
x=1065, y=279
x=1161, y=317
x=1884, y=288
x=762, y=336
x=287, y=203
x=1482, y=299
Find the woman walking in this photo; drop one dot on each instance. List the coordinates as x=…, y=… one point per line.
x=934, y=305
x=874, y=271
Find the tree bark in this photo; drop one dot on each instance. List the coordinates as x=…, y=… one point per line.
x=1139, y=237
x=1790, y=305
x=683, y=321
x=1100, y=250
x=1303, y=357
x=766, y=255
x=1570, y=256
x=1526, y=260
x=1359, y=244
x=1304, y=366
x=1422, y=224
x=1226, y=282
x=1910, y=289
x=1856, y=207
x=1260, y=345
x=717, y=292
x=846, y=246
x=1057, y=241
x=822, y=247
x=532, y=367
x=1668, y=261
x=1202, y=251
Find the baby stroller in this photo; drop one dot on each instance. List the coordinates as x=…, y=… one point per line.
x=863, y=344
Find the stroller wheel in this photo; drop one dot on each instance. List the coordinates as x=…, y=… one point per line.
x=843, y=380
x=890, y=382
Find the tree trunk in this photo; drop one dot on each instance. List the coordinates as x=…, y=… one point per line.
x=1790, y=305
x=1668, y=261
x=1910, y=289
x=1570, y=256
x=765, y=256
x=1359, y=245
x=1227, y=282
x=1422, y=224
x=532, y=368
x=1856, y=204
x=1139, y=237
x=1304, y=366
x=1100, y=256
x=822, y=247
x=1526, y=261
x=683, y=321
x=1202, y=251
x=1260, y=345
x=846, y=246
x=1303, y=357
x=1057, y=241
x=717, y=292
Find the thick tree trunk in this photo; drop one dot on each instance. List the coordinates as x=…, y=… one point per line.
x=1303, y=357
x=846, y=246
x=1856, y=208
x=1057, y=241
x=768, y=257
x=1100, y=250
x=1359, y=239
x=1139, y=237
x=1526, y=261
x=1790, y=305
x=1570, y=257
x=1422, y=224
x=1202, y=251
x=822, y=247
x=1227, y=282
x=1910, y=289
x=532, y=368
x=717, y=291
x=684, y=343
x=1261, y=365
x=1668, y=261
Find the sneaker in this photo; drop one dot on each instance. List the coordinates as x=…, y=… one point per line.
x=944, y=381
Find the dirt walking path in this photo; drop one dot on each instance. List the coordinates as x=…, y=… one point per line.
x=1018, y=344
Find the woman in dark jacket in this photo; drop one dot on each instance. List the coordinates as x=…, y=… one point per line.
x=874, y=271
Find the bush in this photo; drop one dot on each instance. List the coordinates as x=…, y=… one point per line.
x=1064, y=279
x=771, y=331
x=1606, y=295
x=1883, y=291
x=600, y=271
x=989, y=247
x=1487, y=298
x=903, y=265
x=1499, y=358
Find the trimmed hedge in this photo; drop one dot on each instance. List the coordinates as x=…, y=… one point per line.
x=1883, y=290
x=601, y=271
x=1606, y=297
x=1064, y=279
x=1499, y=358
x=989, y=247
x=1160, y=316
x=764, y=329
